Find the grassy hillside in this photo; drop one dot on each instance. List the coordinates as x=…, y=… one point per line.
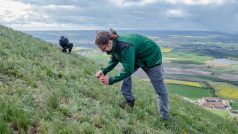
x=45, y=91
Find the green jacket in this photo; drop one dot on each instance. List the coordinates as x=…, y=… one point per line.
x=132, y=51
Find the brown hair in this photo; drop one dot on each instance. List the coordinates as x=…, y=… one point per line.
x=104, y=36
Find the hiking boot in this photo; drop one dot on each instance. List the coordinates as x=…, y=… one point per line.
x=127, y=103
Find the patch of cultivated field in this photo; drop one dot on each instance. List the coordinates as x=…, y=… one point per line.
x=179, y=70
x=168, y=58
x=234, y=105
x=225, y=90
x=222, y=62
x=166, y=49
x=186, y=83
x=189, y=91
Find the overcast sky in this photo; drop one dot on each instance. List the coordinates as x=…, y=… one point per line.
x=211, y=15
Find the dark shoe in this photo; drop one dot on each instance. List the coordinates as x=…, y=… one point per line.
x=64, y=50
x=127, y=103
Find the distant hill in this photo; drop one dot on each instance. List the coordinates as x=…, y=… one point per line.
x=43, y=90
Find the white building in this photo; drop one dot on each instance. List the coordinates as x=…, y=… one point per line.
x=214, y=102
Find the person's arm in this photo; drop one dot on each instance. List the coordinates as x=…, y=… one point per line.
x=128, y=61
x=110, y=65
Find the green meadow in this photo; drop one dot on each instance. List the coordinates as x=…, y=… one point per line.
x=189, y=91
x=234, y=105
x=221, y=113
x=186, y=57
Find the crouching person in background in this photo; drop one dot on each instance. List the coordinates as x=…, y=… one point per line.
x=133, y=51
x=66, y=46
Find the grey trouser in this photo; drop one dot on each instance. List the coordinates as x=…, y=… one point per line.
x=156, y=77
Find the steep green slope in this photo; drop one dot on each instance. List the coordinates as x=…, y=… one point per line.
x=45, y=91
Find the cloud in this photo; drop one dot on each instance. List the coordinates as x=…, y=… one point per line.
x=13, y=10
x=61, y=7
x=200, y=2
x=218, y=15
x=175, y=12
x=54, y=26
x=28, y=16
x=131, y=3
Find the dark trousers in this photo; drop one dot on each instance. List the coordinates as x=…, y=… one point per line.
x=69, y=47
x=156, y=77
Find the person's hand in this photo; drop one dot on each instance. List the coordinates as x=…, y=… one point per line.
x=104, y=79
x=99, y=74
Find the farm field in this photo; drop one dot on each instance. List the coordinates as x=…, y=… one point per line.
x=225, y=90
x=189, y=91
x=182, y=82
x=234, y=105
